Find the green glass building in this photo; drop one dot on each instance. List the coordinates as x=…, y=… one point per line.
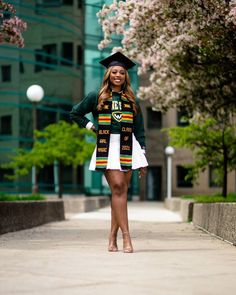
x=62, y=56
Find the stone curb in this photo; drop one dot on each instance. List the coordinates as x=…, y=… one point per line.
x=186, y=210
x=183, y=206
x=217, y=218
x=173, y=203
x=84, y=204
x=20, y=215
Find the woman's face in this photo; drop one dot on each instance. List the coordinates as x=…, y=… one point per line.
x=117, y=76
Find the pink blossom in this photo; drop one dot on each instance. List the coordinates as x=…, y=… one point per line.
x=11, y=29
x=153, y=32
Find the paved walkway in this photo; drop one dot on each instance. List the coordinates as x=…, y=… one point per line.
x=67, y=258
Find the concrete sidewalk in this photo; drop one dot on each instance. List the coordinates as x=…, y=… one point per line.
x=138, y=211
x=70, y=257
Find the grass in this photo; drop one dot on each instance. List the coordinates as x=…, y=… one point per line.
x=231, y=197
x=12, y=198
x=187, y=197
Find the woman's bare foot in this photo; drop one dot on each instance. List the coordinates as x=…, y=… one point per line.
x=112, y=247
x=127, y=244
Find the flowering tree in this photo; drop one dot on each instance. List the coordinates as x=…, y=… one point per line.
x=63, y=142
x=213, y=143
x=188, y=48
x=11, y=27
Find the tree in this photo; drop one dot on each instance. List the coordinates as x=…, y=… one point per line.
x=188, y=47
x=63, y=142
x=213, y=144
x=11, y=26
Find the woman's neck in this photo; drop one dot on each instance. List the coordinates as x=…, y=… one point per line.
x=116, y=89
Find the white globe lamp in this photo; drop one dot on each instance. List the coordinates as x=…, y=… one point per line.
x=169, y=151
x=35, y=93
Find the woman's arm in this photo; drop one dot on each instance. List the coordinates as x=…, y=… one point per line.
x=139, y=131
x=78, y=112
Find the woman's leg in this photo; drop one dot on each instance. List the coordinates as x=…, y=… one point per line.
x=127, y=244
x=119, y=182
x=113, y=234
x=114, y=224
x=112, y=246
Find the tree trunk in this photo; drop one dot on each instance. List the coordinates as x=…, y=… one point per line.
x=60, y=180
x=35, y=187
x=224, y=188
x=225, y=166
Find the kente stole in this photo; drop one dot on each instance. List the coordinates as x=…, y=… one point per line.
x=103, y=135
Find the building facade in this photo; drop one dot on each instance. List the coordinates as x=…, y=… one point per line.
x=53, y=58
x=61, y=55
x=154, y=187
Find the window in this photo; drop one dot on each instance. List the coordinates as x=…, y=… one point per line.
x=154, y=119
x=67, y=53
x=181, y=174
x=47, y=55
x=64, y=110
x=51, y=55
x=6, y=73
x=183, y=117
x=6, y=125
x=79, y=55
x=45, y=178
x=4, y=172
x=41, y=4
x=80, y=175
x=80, y=4
x=154, y=183
x=21, y=67
x=48, y=3
x=67, y=175
x=213, y=177
x=67, y=2
x=38, y=59
x=45, y=118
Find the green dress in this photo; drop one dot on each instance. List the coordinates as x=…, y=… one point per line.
x=89, y=105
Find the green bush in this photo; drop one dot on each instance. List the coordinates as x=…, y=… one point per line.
x=187, y=197
x=12, y=198
x=231, y=197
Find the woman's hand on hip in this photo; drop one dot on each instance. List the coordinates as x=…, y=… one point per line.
x=142, y=171
x=94, y=129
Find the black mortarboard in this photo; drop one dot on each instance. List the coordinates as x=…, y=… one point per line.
x=117, y=59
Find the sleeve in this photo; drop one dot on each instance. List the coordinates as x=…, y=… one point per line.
x=86, y=106
x=139, y=131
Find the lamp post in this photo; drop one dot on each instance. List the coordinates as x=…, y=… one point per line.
x=35, y=94
x=169, y=151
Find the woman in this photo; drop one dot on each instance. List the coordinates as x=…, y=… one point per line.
x=120, y=147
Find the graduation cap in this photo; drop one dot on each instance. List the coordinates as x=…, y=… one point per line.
x=117, y=59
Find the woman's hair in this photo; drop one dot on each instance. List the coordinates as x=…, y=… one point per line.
x=105, y=91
